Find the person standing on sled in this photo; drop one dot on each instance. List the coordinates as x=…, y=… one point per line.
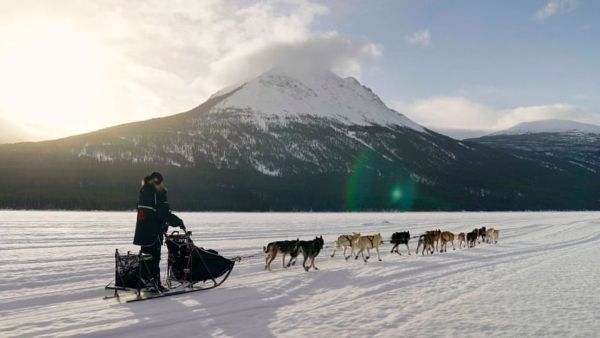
x=153, y=219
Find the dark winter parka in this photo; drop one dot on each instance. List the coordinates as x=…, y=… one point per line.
x=153, y=216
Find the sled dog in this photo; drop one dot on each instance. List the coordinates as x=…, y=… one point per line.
x=492, y=235
x=436, y=237
x=367, y=243
x=461, y=240
x=283, y=247
x=345, y=241
x=310, y=250
x=482, y=234
x=472, y=238
x=400, y=238
x=446, y=237
x=427, y=241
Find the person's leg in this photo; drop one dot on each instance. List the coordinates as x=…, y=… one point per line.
x=156, y=253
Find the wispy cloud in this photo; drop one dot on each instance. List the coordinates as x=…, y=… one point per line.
x=554, y=7
x=420, y=38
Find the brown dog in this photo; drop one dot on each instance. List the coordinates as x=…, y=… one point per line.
x=461, y=240
x=436, y=234
x=426, y=241
x=446, y=237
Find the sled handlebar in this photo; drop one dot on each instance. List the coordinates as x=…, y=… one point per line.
x=176, y=233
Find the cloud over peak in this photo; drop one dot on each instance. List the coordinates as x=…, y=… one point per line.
x=155, y=58
x=554, y=7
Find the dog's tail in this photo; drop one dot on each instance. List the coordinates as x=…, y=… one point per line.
x=266, y=248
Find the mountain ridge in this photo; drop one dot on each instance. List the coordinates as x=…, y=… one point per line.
x=549, y=126
x=231, y=153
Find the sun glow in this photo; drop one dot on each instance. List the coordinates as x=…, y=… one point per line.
x=50, y=76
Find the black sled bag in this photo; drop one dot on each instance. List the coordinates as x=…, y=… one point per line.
x=133, y=271
x=193, y=264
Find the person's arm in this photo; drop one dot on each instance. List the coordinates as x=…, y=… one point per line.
x=164, y=213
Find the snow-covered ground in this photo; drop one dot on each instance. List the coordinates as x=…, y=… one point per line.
x=540, y=280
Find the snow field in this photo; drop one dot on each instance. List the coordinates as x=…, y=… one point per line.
x=540, y=280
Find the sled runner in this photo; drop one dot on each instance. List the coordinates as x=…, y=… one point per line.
x=189, y=269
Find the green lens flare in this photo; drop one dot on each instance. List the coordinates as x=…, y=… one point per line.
x=367, y=189
x=396, y=194
x=357, y=181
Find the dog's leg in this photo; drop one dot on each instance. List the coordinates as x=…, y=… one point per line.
x=304, y=261
x=313, y=263
x=407, y=249
x=334, y=250
x=358, y=253
x=271, y=259
x=283, y=266
x=378, y=257
x=351, y=252
x=368, y=253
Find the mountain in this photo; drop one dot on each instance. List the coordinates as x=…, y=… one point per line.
x=284, y=141
x=461, y=134
x=10, y=132
x=551, y=126
x=560, y=145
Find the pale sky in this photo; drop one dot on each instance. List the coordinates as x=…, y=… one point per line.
x=70, y=66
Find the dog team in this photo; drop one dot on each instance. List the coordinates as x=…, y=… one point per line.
x=429, y=242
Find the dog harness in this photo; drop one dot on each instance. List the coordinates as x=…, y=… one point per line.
x=371, y=238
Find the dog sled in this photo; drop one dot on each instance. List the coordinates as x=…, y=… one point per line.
x=189, y=269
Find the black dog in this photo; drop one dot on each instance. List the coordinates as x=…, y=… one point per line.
x=472, y=237
x=310, y=250
x=482, y=234
x=400, y=238
x=284, y=247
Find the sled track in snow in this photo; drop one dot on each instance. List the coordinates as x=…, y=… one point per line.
x=529, y=284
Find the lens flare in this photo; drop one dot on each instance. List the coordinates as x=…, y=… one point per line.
x=357, y=182
x=396, y=194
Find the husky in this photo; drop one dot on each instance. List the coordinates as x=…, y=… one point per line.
x=446, y=237
x=310, y=250
x=436, y=237
x=346, y=241
x=461, y=240
x=472, y=238
x=283, y=247
x=400, y=238
x=482, y=234
x=492, y=235
x=367, y=243
x=427, y=241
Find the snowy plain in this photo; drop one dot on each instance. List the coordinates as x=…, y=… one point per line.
x=542, y=279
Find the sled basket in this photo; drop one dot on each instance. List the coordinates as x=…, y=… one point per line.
x=191, y=264
x=133, y=271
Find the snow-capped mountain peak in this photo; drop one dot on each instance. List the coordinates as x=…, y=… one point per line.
x=550, y=126
x=289, y=94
